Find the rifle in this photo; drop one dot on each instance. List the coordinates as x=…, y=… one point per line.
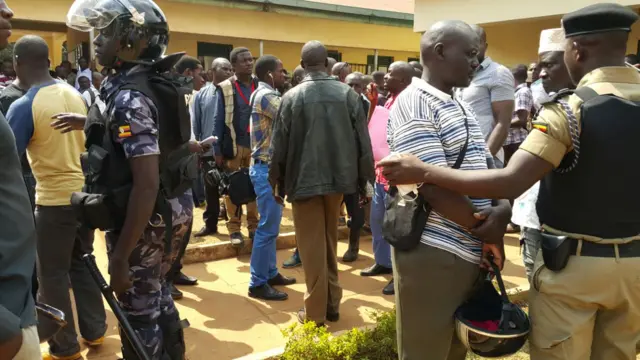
x=107, y=292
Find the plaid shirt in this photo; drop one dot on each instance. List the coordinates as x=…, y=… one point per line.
x=265, y=104
x=523, y=101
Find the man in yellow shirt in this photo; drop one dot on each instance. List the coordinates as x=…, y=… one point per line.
x=584, y=302
x=55, y=160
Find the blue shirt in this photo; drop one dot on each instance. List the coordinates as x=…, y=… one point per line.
x=241, y=116
x=203, y=114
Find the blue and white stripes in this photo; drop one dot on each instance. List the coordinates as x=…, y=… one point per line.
x=430, y=124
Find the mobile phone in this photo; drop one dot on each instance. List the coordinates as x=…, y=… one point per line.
x=209, y=141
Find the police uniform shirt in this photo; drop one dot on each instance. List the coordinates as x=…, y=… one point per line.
x=550, y=138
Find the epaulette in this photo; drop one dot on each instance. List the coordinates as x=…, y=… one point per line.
x=559, y=95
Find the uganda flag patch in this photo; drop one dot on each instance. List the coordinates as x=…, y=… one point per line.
x=124, y=131
x=540, y=126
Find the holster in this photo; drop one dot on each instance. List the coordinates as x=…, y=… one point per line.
x=556, y=251
x=92, y=210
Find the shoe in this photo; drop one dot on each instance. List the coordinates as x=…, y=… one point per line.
x=302, y=318
x=175, y=293
x=185, y=280
x=351, y=255
x=49, y=356
x=293, y=261
x=266, y=292
x=94, y=343
x=281, y=280
x=333, y=316
x=237, y=240
x=205, y=231
x=389, y=289
x=375, y=270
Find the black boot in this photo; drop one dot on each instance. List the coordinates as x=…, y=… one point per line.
x=354, y=245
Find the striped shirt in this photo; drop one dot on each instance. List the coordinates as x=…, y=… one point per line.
x=428, y=123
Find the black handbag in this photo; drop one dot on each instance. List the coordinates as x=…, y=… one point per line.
x=405, y=218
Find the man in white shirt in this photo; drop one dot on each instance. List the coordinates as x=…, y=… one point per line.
x=89, y=93
x=83, y=70
x=491, y=96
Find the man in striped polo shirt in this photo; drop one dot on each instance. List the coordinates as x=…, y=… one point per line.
x=440, y=274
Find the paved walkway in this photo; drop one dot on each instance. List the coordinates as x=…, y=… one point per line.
x=227, y=324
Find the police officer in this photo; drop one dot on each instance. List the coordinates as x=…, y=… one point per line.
x=585, y=298
x=132, y=38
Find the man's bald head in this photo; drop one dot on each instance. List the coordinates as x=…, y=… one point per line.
x=217, y=62
x=399, y=77
x=355, y=81
x=450, y=52
x=341, y=70
x=417, y=67
x=314, y=55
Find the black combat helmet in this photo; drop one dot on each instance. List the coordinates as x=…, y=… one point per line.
x=140, y=25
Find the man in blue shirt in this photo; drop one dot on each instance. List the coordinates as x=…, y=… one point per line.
x=233, y=149
x=203, y=122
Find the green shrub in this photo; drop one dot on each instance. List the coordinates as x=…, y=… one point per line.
x=312, y=343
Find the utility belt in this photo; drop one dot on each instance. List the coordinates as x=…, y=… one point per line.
x=556, y=250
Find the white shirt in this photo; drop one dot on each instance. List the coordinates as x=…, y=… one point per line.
x=87, y=98
x=525, y=213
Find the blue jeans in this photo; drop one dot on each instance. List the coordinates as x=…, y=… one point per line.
x=381, y=248
x=263, y=254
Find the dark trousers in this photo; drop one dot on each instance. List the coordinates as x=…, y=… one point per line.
x=61, y=244
x=176, y=267
x=212, y=195
x=30, y=183
x=509, y=150
x=356, y=213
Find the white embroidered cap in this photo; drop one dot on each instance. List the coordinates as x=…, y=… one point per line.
x=552, y=40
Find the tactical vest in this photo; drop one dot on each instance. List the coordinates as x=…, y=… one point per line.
x=600, y=196
x=108, y=177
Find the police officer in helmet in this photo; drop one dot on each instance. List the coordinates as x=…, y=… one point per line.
x=128, y=147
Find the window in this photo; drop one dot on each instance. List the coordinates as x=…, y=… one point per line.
x=335, y=54
x=207, y=52
x=413, y=59
x=383, y=63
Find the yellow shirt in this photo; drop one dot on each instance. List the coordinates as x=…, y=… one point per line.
x=555, y=143
x=54, y=157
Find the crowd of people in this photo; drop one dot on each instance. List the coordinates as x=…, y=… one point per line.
x=539, y=148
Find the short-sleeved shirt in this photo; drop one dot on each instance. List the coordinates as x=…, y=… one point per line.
x=54, y=157
x=266, y=103
x=429, y=123
x=136, y=116
x=491, y=83
x=550, y=138
x=523, y=101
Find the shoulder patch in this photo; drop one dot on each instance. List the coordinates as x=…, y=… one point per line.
x=540, y=126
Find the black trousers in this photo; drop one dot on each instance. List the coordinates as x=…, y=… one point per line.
x=356, y=213
x=176, y=267
x=212, y=195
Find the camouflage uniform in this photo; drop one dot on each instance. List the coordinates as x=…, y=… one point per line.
x=149, y=301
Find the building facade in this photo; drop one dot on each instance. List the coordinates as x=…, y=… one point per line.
x=513, y=28
x=368, y=35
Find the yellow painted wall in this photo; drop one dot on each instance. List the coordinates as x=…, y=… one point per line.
x=517, y=42
x=230, y=22
x=427, y=12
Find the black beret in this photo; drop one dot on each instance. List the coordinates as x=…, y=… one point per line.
x=598, y=18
